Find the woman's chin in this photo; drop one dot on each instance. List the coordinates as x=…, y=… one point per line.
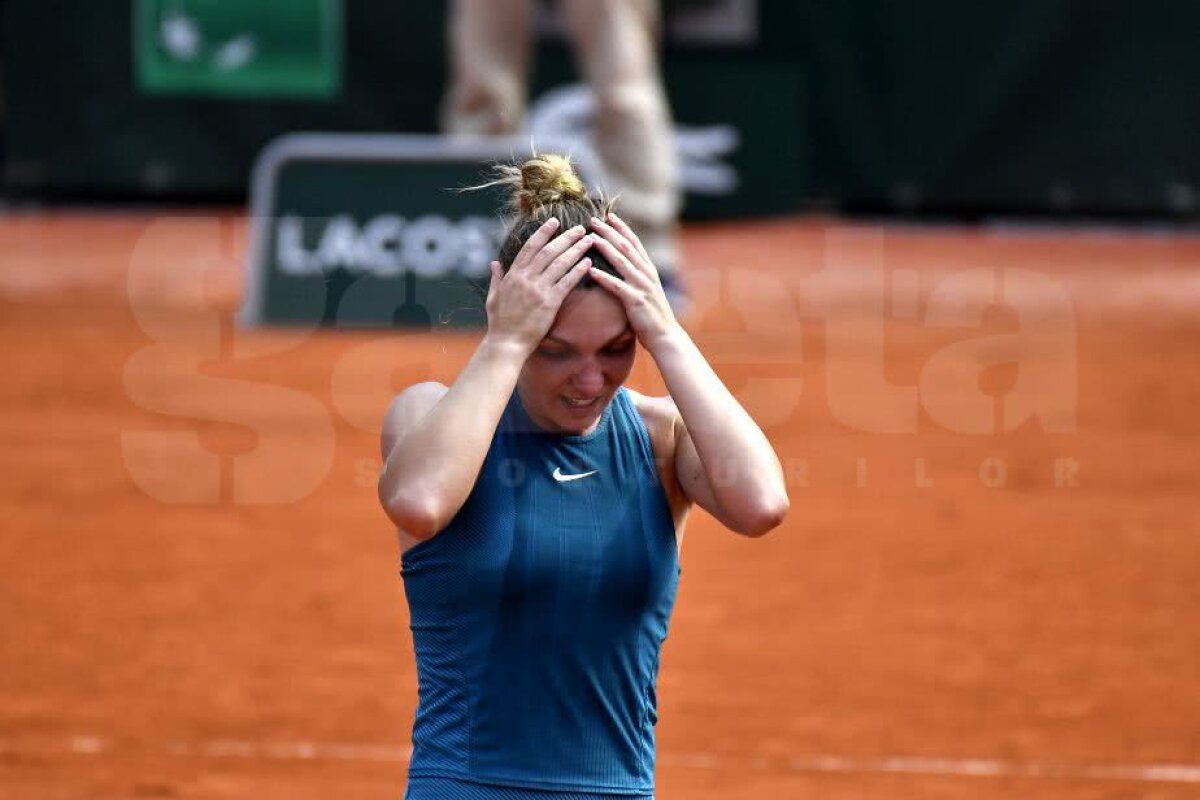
x=574, y=420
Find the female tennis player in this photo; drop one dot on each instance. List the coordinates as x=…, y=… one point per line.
x=541, y=504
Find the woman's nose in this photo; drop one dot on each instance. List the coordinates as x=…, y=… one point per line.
x=589, y=379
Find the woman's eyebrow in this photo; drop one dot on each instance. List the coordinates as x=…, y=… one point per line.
x=628, y=330
x=552, y=338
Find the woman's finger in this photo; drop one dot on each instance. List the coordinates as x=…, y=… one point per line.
x=622, y=246
x=568, y=258
x=535, y=243
x=627, y=231
x=615, y=257
x=554, y=249
x=572, y=278
x=624, y=292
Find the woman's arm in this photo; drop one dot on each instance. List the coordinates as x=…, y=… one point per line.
x=434, y=443
x=435, y=440
x=722, y=459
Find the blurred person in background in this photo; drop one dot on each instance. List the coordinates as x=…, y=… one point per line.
x=615, y=45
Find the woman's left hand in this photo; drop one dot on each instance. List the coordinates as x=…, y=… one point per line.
x=641, y=292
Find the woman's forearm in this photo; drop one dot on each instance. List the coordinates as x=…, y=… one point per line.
x=430, y=472
x=741, y=466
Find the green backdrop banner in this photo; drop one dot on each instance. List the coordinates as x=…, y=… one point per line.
x=234, y=48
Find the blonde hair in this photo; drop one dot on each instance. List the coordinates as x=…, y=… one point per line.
x=545, y=186
x=541, y=181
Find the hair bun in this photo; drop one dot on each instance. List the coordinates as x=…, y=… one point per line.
x=546, y=180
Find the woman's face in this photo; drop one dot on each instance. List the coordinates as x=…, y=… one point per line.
x=588, y=353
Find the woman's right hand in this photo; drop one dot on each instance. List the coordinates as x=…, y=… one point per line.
x=523, y=302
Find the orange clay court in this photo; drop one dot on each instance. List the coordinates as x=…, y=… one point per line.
x=1006, y=611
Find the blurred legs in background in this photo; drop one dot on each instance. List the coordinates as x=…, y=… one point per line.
x=490, y=42
x=614, y=41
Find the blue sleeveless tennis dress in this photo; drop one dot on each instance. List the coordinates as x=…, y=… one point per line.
x=537, y=618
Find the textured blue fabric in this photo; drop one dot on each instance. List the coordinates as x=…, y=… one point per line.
x=538, y=613
x=454, y=789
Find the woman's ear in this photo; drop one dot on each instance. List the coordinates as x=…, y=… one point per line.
x=497, y=275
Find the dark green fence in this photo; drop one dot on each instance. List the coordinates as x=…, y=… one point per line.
x=1023, y=105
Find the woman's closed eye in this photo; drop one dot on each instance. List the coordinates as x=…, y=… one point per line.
x=558, y=354
x=618, y=349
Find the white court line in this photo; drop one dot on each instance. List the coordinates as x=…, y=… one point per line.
x=985, y=767
x=911, y=765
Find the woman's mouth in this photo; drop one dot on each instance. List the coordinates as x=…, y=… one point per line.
x=579, y=406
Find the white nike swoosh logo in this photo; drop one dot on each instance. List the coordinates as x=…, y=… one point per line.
x=558, y=476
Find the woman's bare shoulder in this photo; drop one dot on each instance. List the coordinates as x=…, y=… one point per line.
x=407, y=408
x=419, y=394
x=661, y=418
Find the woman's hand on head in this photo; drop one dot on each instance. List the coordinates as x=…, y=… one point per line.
x=641, y=291
x=523, y=302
